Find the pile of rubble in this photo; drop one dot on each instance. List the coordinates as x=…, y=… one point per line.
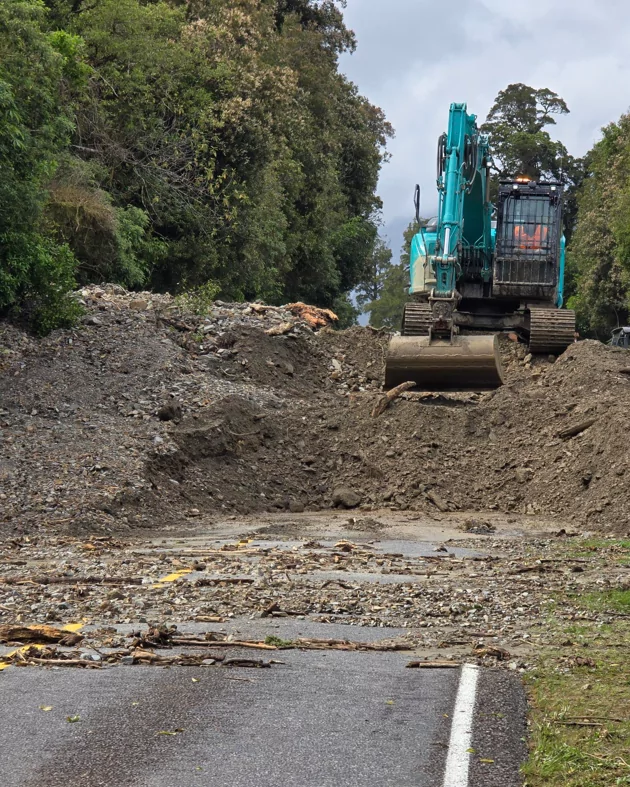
x=155, y=411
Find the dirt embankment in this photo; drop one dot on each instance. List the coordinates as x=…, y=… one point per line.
x=262, y=413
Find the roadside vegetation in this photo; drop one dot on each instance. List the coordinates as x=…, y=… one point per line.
x=579, y=691
x=174, y=146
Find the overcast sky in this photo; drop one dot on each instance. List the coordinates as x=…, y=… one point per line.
x=414, y=57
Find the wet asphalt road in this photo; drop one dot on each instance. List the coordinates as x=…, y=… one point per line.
x=322, y=719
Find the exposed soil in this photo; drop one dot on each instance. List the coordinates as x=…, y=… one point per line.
x=259, y=422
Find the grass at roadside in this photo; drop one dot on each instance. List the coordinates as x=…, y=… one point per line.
x=580, y=701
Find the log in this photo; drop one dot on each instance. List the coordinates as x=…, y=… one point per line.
x=389, y=397
x=41, y=633
x=576, y=429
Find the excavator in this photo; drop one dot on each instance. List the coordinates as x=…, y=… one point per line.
x=478, y=270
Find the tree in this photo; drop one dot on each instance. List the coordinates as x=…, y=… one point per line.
x=520, y=144
x=386, y=311
x=377, y=269
x=221, y=138
x=38, y=71
x=599, y=255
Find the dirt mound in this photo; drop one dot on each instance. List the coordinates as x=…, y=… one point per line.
x=260, y=412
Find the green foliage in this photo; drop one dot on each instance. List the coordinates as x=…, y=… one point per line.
x=36, y=71
x=279, y=642
x=200, y=300
x=386, y=310
x=346, y=312
x=230, y=126
x=599, y=257
x=521, y=145
x=516, y=124
x=378, y=267
x=171, y=144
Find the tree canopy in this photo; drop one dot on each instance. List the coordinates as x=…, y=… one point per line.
x=180, y=144
x=599, y=255
x=517, y=123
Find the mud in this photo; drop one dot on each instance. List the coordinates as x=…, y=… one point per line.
x=282, y=423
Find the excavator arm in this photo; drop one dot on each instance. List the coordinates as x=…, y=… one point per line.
x=464, y=216
x=430, y=351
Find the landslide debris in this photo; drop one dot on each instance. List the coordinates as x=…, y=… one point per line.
x=148, y=415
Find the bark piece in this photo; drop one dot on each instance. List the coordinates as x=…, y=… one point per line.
x=389, y=397
x=576, y=429
x=39, y=633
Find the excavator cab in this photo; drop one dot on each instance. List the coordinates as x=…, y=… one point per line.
x=528, y=240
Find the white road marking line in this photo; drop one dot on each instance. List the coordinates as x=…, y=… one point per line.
x=458, y=759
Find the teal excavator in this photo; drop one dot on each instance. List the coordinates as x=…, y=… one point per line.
x=479, y=269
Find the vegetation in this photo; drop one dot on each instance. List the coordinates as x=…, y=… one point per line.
x=387, y=294
x=581, y=698
x=171, y=145
x=517, y=123
x=600, y=251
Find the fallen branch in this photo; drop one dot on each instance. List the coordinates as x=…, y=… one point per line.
x=573, y=431
x=56, y=580
x=222, y=644
x=38, y=634
x=432, y=664
x=280, y=330
x=202, y=583
x=389, y=397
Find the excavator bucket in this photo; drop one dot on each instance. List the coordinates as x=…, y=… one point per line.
x=467, y=363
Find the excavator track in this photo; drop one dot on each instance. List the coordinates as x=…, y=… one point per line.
x=417, y=319
x=551, y=330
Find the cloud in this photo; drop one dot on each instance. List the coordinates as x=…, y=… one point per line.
x=415, y=57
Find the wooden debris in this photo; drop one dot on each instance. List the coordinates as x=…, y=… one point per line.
x=190, y=642
x=437, y=501
x=312, y=315
x=280, y=330
x=39, y=633
x=432, y=664
x=256, y=663
x=60, y=580
x=385, y=401
x=576, y=429
x=494, y=652
x=344, y=644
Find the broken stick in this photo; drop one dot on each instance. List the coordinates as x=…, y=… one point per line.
x=389, y=397
x=573, y=431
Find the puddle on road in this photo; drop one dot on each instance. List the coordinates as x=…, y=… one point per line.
x=389, y=548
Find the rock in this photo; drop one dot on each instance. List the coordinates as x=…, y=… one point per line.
x=437, y=501
x=170, y=412
x=296, y=507
x=523, y=474
x=346, y=497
